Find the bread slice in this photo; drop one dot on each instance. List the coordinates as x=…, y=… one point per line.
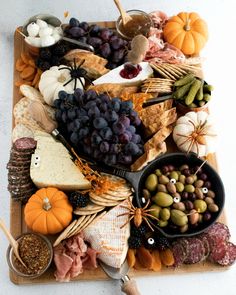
x=51, y=165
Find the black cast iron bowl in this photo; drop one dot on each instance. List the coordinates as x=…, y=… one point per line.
x=137, y=180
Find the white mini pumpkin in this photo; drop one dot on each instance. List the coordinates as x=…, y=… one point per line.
x=194, y=133
x=54, y=80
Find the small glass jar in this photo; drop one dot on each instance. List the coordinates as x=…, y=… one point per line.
x=140, y=24
x=10, y=257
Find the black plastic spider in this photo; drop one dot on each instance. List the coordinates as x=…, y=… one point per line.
x=76, y=72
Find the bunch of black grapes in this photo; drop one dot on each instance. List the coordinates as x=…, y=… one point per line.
x=105, y=41
x=102, y=128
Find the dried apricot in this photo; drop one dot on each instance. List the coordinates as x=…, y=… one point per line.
x=27, y=72
x=25, y=57
x=21, y=82
x=20, y=65
x=138, y=265
x=144, y=257
x=156, y=265
x=32, y=63
x=167, y=257
x=131, y=257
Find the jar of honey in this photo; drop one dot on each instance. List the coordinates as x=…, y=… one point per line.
x=140, y=23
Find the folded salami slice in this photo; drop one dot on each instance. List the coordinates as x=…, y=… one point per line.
x=196, y=251
x=219, y=231
x=230, y=255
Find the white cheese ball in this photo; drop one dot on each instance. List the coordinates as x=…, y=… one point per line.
x=33, y=41
x=33, y=29
x=41, y=23
x=58, y=30
x=56, y=37
x=45, y=32
x=47, y=41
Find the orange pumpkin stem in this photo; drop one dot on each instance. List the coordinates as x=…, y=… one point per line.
x=187, y=25
x=46, y=204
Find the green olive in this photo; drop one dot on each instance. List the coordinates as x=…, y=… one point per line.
x=174, y=174
x=155, y=210
x=190, y=180
x=199, y=183
x=178, y=217
x=163, y=179
x=158, y=172
x=213, y=208
x=209, y=200
x=179, y=187
x=165, y=214
x=161, y=188
x=151, y=182
x=182, y=178
x=179, y=206
x=171, y=188
x=189, y=188
x=211, y=194
x=200, y=206
x=162, y=199
x=199, y=193
x=162, y=223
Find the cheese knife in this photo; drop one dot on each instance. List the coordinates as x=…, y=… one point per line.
x=129, y=286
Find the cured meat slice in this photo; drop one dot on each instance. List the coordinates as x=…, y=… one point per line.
x=196, y=251
x=230, y=255
x=219, y=231
x=179, y=253
x=218, y=251
x=25, y=143
x=205, y=240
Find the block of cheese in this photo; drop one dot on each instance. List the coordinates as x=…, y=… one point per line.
x=51, y=165
x=106, y=236
x=114, y=76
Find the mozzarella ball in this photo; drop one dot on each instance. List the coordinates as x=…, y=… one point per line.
x=33, y=41
x=45, y=32
x=41, y=23
x=47, y=41
x=33, y=29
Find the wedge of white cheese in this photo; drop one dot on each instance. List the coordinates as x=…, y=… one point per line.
x=108, y=238
x=51, y=165
x=114, y=76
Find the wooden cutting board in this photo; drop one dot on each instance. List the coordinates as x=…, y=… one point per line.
x=17, y=219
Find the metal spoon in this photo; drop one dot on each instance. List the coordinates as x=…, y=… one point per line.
x=12, y=241
x=124, y=15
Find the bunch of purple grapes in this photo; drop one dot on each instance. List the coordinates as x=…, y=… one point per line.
x=103, y=128
x=105, y=41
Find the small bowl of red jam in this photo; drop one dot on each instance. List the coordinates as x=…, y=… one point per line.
x=140, y=23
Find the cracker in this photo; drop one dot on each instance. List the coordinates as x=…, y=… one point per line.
x=31, y=93
x=64, y=234
x=21, y=130
x=103, y=202
x=89, y=221
x=77, y=224
x=88, y=212
x=82, y=224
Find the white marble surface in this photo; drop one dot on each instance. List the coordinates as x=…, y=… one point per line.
x=219, y=69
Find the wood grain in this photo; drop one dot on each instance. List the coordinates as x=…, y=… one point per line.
x=18, y=226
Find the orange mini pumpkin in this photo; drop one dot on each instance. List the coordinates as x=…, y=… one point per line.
x=186, y=31
x=48, y=211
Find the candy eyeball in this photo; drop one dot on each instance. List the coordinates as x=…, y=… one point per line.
x=47, y=41
x=33, y=29
x=151, y=241
x=45, y=32
x=41, y=23
x=177, y=199
x=205, y=190
x=172, y=180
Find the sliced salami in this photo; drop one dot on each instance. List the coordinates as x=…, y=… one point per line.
x=196, y=251
x=25, y=143
x=17, y=163
x=21, y=154
x=205, y=240
x=218, y=251
x=219, y=231
x=230, y=255
x=179, y=253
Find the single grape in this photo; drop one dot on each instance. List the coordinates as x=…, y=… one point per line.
x=84, y=120
x=104, y=147
x=77, y=124
x=111, y=116
x=105, y=34
x=70, y=127
x=94, y=41
x=124, y=138
x=90, y=95
x=115, y=104
x=116, y=42
x=81, y=112
x=136, y=138
x=133, y=115
x=83, y=132
x=104, y=98
x=90, y=104
x=84, y=26
x=118, y=55
x=94, y=30
x=95, y=140
x=76, y=32
x=118, y=128
x=103, y=107
x=71, y=114
x=106, y=133
x=105, y=50
x=110, y=159
x=124, y=120
x=126, y=106
x=73, y=22
x=94, y=112
x=131, y=129
x=115, y=138
x=124, y=159
x=78, y=93
x=115, y=148
x=62, y=94
x=131, y=149
x=74, y=138
x=58, y=115
x=99, y=123
x=57, y=103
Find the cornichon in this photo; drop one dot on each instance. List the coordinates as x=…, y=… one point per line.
x=201, y=103
x=207, y=96
x=186, y=79
x=207, y=88
x=181, y=91
x=199, y=95
x=192, y=92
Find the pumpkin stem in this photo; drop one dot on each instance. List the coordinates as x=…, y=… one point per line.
x=46, y=204
x=187, y=25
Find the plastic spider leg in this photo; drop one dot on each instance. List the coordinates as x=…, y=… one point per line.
x=127, y=222
x=151, y=216
x=81, y=82
x=145, y=207
x=148, y=223
x=68, y=81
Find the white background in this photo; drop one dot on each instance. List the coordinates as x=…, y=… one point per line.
x=219, y=69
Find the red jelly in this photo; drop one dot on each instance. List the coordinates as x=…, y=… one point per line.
x=130, y=71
